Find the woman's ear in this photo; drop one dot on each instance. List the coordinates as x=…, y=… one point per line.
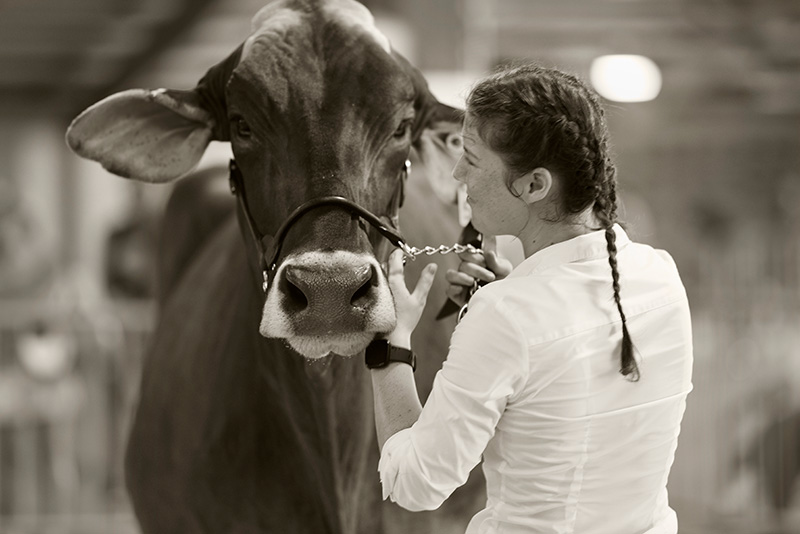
x=533, y=186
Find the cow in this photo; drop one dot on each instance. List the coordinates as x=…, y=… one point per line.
x=255, y=411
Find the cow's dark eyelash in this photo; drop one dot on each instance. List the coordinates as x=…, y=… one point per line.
x=403, y=129
x=240, y=127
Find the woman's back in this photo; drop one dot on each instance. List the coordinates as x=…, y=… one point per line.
x=580, y=448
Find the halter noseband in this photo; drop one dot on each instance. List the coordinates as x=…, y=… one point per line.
x=269, y=246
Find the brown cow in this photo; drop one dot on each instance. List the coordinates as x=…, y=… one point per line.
x=235, y=431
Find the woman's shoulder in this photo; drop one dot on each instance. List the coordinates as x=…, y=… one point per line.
x=526, y=302
x=496, y=302
x=522, y=290
x=505, y=293
x=649, y=263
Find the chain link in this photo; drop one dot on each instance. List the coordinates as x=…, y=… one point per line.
x=413, y=252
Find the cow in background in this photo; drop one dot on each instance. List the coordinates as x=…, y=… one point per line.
x=255, y=411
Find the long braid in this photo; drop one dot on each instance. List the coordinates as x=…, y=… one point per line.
x=606, y=211
x=606, y=208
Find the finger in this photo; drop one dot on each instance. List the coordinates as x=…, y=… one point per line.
x=472, y=258
x=396, y=263
x=489, y=244
x=501, y=267
x=476, y=271
x=396, y=278
x=425, y=282
x=458, y=278
x=457, y=294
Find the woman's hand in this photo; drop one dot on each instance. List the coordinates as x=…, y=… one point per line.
x=486, y=267
x=409, y=306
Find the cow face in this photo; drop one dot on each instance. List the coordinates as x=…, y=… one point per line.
x=315, y=103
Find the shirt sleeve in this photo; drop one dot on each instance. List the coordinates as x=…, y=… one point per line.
x=487, y=364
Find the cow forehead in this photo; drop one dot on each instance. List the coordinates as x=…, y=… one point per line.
x=279, y=17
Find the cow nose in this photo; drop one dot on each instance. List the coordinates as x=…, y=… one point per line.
x=331, y=292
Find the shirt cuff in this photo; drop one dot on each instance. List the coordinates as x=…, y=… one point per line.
x=389, y=465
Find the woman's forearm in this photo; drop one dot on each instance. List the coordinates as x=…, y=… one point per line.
x=397, y=404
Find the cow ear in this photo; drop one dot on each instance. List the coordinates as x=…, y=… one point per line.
x=151, y=136
x=438, y=148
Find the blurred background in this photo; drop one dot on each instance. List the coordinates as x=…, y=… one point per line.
x=707, y=139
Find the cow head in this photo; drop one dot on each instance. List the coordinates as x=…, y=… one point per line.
x=315, y=103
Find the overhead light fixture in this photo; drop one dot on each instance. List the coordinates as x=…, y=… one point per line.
x=626, y=77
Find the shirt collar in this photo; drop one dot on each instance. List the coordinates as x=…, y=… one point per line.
x=584, y=247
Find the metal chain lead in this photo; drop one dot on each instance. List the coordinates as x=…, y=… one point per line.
x=413, y=252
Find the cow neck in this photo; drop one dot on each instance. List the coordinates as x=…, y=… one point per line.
x=269, y=246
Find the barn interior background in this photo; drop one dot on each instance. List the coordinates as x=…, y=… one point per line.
x=709, y=169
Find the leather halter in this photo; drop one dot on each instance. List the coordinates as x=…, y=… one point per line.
x=269, y=246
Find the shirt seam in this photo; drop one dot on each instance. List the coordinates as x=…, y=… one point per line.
x=504, y=309
x=572, y=331
x=578, y=479
x=678, y=416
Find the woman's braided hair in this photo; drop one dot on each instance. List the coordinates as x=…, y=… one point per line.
x=534, y=116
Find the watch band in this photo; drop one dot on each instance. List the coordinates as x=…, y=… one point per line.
x=381, y=353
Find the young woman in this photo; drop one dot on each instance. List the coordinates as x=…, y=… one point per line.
x=568, y=376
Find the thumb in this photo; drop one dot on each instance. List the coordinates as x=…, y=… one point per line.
x=489, y=244
x=501, y=267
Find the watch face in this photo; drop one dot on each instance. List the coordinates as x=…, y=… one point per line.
x=377, y=353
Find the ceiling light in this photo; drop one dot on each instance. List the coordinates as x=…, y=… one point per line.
x=626, y=78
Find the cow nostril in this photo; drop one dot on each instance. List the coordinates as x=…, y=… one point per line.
x=296, y=295
x=291, y=286
x=368, y=278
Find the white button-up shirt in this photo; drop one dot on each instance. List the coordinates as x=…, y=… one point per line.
x=532, y=383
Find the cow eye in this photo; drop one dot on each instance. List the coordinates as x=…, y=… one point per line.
x=241, y=127
x=402, y=130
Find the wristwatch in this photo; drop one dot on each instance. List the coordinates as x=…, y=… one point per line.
x=380, y=353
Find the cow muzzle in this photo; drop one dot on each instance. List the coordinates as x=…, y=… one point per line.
x=323, y=302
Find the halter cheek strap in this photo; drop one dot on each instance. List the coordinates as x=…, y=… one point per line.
x=269, y=246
